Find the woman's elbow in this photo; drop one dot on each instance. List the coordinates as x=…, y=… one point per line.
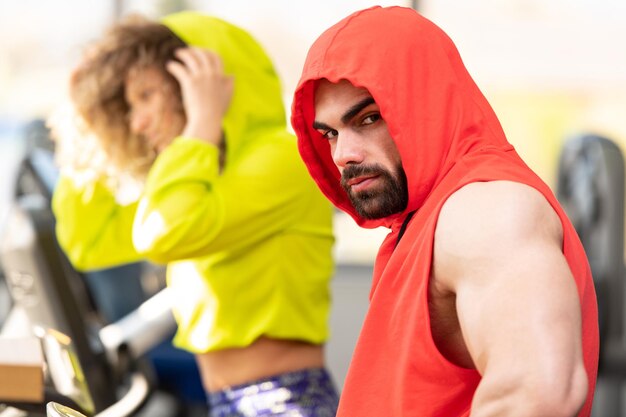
x=79, y=260
x=82, y=258
x=76, y=254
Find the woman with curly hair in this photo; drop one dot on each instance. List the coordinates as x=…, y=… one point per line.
x=190, y=108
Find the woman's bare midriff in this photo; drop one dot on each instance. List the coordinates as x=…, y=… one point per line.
x=265, y=357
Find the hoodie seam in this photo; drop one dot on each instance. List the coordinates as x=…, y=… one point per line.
x=332, y=40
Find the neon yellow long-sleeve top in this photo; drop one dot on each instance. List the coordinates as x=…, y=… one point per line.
x=248, y=250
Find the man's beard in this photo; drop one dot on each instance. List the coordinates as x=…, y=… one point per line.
x=389, y=197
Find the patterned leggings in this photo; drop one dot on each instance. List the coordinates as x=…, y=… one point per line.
x=306, y=393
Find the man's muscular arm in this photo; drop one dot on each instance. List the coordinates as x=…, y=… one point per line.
x=498, y=248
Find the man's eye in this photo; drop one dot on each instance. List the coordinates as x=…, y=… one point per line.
x=330, y=134
x=371, y=118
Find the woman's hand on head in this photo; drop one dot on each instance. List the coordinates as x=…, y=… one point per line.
x=206, y=92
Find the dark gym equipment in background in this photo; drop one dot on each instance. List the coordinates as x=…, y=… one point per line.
x=591, y=189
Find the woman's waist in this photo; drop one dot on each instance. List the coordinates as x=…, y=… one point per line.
x=264, y=358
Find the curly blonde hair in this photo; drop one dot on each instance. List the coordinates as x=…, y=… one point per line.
x=94, y=135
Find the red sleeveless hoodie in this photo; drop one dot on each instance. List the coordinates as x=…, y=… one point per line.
x=448, y=136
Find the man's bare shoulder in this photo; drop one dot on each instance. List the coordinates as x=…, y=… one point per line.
x=487, y=220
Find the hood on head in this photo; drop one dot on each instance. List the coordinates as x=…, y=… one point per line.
x=257, y=102
x=434, y=111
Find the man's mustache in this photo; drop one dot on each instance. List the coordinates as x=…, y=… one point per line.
x=354, y=171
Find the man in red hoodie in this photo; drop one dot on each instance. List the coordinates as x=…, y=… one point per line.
x=482, y=300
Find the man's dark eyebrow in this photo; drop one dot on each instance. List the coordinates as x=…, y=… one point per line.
x=320, y=126
x=354, y=110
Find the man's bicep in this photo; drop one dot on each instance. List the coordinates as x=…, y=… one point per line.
x=498, y=248
x=523, y=315
x=522, y=327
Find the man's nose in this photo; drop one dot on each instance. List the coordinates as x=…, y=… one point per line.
x=347, y=149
